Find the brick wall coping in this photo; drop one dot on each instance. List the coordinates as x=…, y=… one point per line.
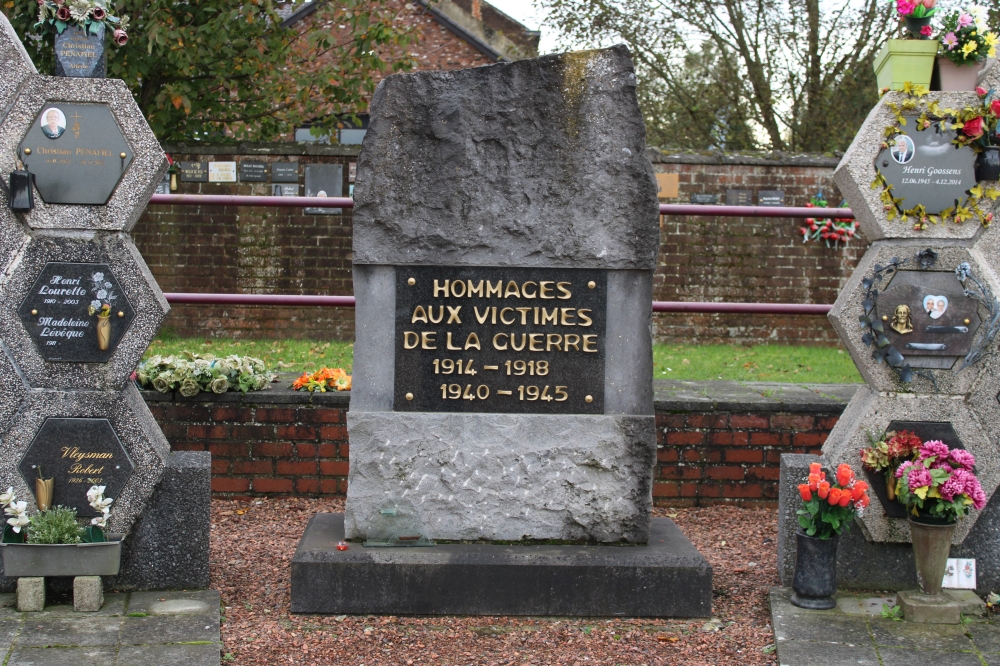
x=286, y=148
x=775, y=159
x=668, y=396
x=732, y=396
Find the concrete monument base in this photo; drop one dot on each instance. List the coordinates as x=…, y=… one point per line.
x=929, y=608
x=666, y=578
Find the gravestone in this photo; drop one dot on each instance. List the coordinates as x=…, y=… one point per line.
x=503, y=357
x=925, y=298
x=78, y=307
x=253, y=172
x=284, y=172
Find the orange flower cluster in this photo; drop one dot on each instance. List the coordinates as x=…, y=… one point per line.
x=846, y=490
x=323, y=379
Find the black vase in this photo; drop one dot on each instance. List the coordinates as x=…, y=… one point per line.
x=988, y=164
x=914, y=24
x=815, y=580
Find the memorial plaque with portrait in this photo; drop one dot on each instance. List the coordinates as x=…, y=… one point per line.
x=77, y=153
x=925, y=168
x=76, y=312
x=77, y=453
x=507, y=340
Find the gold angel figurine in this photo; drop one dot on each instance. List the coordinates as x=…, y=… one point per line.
x=902, y=323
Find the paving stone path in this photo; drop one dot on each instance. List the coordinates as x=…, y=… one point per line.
x=856, y=633
x=131, y=629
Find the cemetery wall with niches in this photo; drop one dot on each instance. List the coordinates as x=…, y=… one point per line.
x=286, y=251
x=717, y=442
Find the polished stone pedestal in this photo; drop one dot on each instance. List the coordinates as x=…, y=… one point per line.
x=666, y=578
x=929, y=609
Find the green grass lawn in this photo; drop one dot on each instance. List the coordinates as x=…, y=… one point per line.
x=764, y=363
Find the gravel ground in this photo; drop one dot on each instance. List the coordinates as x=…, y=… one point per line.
x=253, y=544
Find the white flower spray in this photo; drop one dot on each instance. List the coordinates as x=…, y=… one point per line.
x=18, y=511
x=96, y=498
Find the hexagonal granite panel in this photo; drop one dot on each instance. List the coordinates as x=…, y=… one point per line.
x=133, y=424
x=987, y=250
x=13, y=235
x=871, y=412
x=13, y=388
x=923, y=313
x=984, y=399
x=17, y=66
x=138, y=288
x=140, y=177
x=856, y=171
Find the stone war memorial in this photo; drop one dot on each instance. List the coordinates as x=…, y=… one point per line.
x=78, y=308
x=919, y=317
x=501, y=418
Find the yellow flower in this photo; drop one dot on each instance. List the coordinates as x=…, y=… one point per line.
x=968, y=48
x=992, y=52
x=990, y=38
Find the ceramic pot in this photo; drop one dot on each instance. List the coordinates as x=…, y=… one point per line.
x=931, y=546
x=103, y=332
x=952, y=77
x=914, y=24
x=988, y=164
x=815, y=580
x=905, y=61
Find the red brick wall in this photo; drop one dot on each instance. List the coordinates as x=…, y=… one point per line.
x=725, y=457
x=302, y=450
x=748, y=259
x=284, y=251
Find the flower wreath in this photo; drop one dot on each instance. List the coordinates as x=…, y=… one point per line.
x=931, y=112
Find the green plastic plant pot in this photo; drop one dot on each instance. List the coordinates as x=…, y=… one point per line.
x=905, y=60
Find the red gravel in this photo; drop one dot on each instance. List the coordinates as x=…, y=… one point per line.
x=252, y=547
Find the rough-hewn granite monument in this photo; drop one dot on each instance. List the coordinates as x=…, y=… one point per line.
x=505, y=236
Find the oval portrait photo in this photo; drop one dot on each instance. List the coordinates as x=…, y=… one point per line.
x=53, y=122
x=902, y=151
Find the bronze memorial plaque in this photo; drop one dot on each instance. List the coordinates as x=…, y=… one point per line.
x=510, y=340
x=77, y=153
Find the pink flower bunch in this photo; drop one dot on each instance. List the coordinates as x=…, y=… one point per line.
x=940, y=482
x=963, y=482
x=962, y=458
x=934, y=448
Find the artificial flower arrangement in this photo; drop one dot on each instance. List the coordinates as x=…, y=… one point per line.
x=323, y=380
x=917, y=15
x=973, y=126
x=828, y=508
x=887, y=453
x=57, y=525
x=965, y=37
x=88, y=15
x=836, y=230
x=939, y=483
x=192, y=373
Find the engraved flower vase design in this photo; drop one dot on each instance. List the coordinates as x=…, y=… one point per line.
x=103, y=332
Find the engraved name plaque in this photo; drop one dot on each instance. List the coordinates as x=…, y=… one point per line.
x=507, y=340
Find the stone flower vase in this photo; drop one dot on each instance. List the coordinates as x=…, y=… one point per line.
x=103, y=332
x=931, y=546
x=80, y=53
x=988, y=164
x=815, y=580
x=952, y=77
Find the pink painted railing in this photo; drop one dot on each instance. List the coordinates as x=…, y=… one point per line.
x=348, y=301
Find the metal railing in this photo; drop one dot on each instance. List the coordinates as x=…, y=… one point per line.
x=700, y=307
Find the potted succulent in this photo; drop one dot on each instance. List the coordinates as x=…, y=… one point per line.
x=827, y=511
x=53, y=543
x=79, y=27
x=965, y=42
x=938, y=487
x=881, y=459
x=909, y=60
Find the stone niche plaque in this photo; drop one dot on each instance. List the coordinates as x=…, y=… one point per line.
x=925, y=168
x=253, y=172
x=78, y=453
x=55, y=312
x=928, y=318
x=77, y=153
x=504, y=340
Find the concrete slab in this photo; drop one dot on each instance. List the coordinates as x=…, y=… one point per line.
x=816, y=653
x=59, y=631
x=173, y=629
x=168, y=603
x=488, y=579
x=895, y=657
x=175, y=655
x=78, y=656
x=893, y=633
